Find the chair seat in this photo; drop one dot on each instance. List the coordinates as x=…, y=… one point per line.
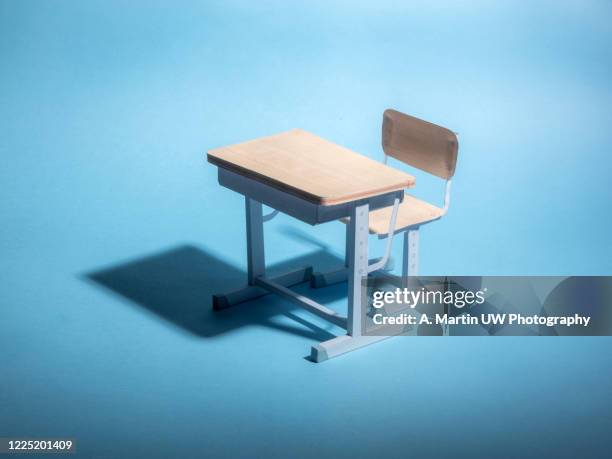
x=412, y=211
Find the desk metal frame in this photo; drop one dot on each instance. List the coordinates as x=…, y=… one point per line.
x=257, y=193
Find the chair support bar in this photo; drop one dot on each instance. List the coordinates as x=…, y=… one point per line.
x=447, y=196
x=383, y=261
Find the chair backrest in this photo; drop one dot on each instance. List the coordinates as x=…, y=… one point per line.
x=420, y=144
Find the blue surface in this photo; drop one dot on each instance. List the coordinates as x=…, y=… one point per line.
x=115, y=232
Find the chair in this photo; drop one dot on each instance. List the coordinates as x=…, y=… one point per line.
x=428, y=147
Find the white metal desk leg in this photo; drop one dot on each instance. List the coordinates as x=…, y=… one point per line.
x=357, y=266
x=357, y=269
x=323, y=279
x=410, y=264
x=348, y=243
x=257, y=264
x=255, y=240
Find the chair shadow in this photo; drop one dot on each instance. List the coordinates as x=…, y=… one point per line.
x=177, y=285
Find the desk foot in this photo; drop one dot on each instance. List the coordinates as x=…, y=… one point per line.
x=341, y=345
x=319, y=279
x=250, y=292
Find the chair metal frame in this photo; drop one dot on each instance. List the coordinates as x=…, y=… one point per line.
x=410, y=253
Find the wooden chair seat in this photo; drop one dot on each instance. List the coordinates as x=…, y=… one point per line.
x=411, y=212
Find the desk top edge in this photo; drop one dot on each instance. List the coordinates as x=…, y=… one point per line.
x=401, y=180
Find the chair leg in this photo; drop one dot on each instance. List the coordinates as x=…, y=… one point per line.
x=410, y=265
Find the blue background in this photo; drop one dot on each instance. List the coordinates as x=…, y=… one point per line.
x=114, y=231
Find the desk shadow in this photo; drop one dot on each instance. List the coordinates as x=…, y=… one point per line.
x=177, y=286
